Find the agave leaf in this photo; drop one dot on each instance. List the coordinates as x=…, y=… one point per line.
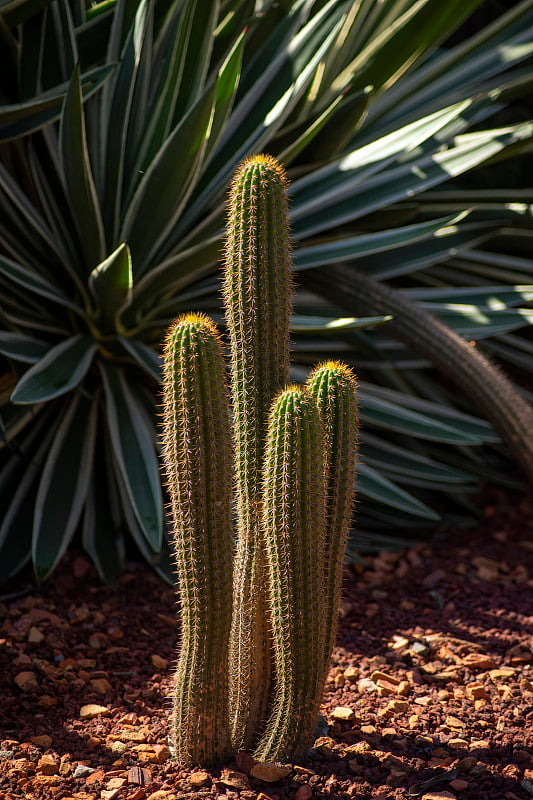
x=319, y=324
x=401, y=182
x=68, y=465
x=471, y=321
x=77, y=175
x=227, y=82
x=158, y=201
x=22, y=347
x=19, y=119
x=18, y=491
x=366, y=244
x=133, y=451
x=65, y=38
x=263, y=109
x=111, y=284
x=483, y=297
x=393, y=50
x=147, y=358
x=385, y=414
x=60, y=370
x=102, y=537
x=371, y=484
x=16, y=11
x=31, y=54
x=115, y=125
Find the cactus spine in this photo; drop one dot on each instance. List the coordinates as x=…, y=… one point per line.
x=257, y=290
x=256, y=638
x=293, y=536
x=198, y=460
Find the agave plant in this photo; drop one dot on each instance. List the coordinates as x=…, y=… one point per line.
x=120, y=125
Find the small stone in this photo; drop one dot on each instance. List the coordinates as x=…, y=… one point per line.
x=350, y=673
x=101, y=685
x=478, y=661
x=343, y=713
x=48, y=765
x=425, y=700
x=26, y=681
x=457, y=744
x=325, y=744
x=453, y=722
x=234, y=779
x=527, y=786
x=368, y=730
x=109, y=794
x=366, y=685
x=466, y=764
x=46, y=702
x=83, y=771
x=161, y=794
x=6, y=754
x=199, y=779
x=44, y=741
x=116, y=783
x=263, y=796
x=475, y=691
x=162, y=753
x=458, y=785
x=398, y=706
x=119, y=747
x=97, y=776
x=304, y=792
x=244, y=762
x=159, y=662
x=92, y=710
x=480, y=744
x=438, y=796
x=35, y=636
x=270, y=773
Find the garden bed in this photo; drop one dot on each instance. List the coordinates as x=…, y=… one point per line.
x=430, y=692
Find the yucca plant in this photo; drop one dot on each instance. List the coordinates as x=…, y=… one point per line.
x=251, y=673
x=120, y=125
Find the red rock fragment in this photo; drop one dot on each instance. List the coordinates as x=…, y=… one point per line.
x=26, y=681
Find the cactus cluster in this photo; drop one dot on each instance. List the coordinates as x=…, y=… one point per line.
x=258, y=606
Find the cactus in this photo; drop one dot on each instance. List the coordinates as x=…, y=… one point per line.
x=257, y=291
x=258, y=619
x=334, y=388
x=293, y=537
x=198, y=459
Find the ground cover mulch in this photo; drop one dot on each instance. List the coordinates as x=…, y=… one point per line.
x=430, y=694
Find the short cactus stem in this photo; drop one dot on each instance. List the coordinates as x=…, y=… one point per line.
x=293, y=536
x=257, y=291
x=334, y=388
x=198, y=462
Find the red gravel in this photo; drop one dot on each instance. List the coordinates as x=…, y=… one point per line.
x=434, y=661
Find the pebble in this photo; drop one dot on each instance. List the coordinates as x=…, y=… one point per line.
x=304, y=792
x=270, y=773
x=343, y=713
x=48, y=765
x=83, y=771
x=7, y=754
x=234, y=779
x=26, y=681
x=199, y=779
x=92, y=710
x=119, y=747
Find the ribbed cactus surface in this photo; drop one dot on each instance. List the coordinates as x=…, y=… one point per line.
x=257, y=291
x=258, y=608
x=198, y=462
x=293, y=535
x=333, y=386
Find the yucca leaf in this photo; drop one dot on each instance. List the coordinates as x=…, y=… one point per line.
x=478, y=323
x=385, y=414
x=22, y=347
x=366, y=244
x=102, y=536
x=164, y=189
x=227, y=82
x=147, y=358
x=20, y=119
x=68, y=465
x=18, y=493
x=111, y=284
x=115, y=126
x=133, y=451
x=62, y=368
x=77, y=175
x=307, y=324
x=373, y=485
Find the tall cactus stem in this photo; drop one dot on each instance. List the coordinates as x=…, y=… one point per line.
x=257, y=296
x=293, y=534
x=333, y=386
x=198, y=463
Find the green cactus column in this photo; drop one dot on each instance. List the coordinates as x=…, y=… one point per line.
x=257, y=292
x=198, y=463
x=334, y=388
x=293, y=535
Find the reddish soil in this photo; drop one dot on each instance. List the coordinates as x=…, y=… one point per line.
x=433, y=670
